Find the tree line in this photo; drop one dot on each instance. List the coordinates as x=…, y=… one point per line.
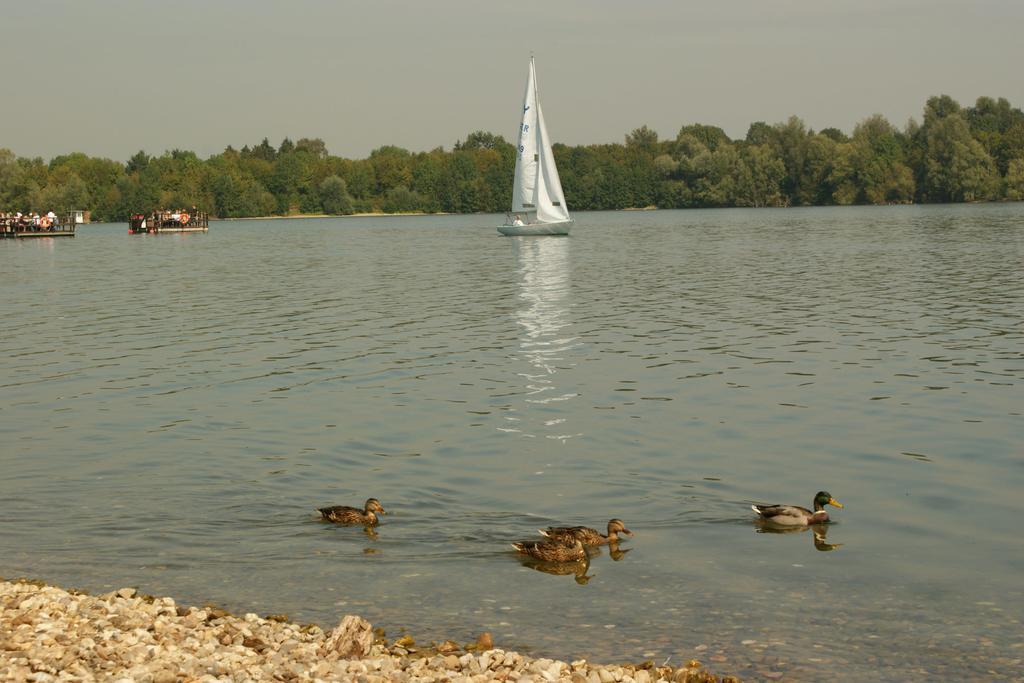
x=955, y=154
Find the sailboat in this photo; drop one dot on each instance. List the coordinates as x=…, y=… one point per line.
x=538, y=205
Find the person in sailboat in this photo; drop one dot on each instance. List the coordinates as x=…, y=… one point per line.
x=518, y=220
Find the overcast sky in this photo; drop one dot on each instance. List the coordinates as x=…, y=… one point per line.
x=109, y=78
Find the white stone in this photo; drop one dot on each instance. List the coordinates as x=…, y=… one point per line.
x=352, y=637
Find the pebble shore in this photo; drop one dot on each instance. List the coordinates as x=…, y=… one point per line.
x=50, y=634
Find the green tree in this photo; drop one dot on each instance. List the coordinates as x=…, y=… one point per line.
x=1015, y=180
x=939, y=107
x=482, y=140
x=877, y=163
x=96, y=176
x=821, y=155
x=666, y=166
x=711, y=137
x=334, y=196
x=313, y=146
x=956, y=166
x=834, y=134
x=391, y=167
x=644, y=139
x=137, y=163
x=793, y=143
x=10, y=180
x=128, y=196
x=955, y=154
x=760, y=133
x=361, y=179
x=718, y=176
x=178, y=178
x=673, y=194
x=760, y=182
x=264, y=151
x=402, y=200
x=234, y=192
x=20, y=180
x=291, y=183
x=999, y=127
x=494, y=178
x=842, y=179
x=426, y=177
x=686, y=150
x=65, y=192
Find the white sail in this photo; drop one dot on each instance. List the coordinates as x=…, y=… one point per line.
x=524, y=190
x=550, y=200
x=537, y=188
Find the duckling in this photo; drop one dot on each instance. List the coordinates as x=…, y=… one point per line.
x=343, y=514
x=566, y=534
x=553, y=551
x=790, y=515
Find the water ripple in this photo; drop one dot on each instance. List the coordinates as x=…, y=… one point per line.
x=176, y=407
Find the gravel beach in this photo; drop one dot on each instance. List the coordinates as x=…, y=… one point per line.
x=50, y=634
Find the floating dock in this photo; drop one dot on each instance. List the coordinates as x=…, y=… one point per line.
x=168, y=222
x=14, y=228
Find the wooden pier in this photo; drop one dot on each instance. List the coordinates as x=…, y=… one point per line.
x=159, y=222
x=24, y=227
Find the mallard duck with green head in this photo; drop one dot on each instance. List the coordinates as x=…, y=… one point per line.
x=794, y=515
x=553, y=551
x=588, y=536
x=344, y=514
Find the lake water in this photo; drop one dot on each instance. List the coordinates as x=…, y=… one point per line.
x=174, y=407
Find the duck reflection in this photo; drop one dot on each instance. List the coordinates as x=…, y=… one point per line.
x=819, y=532
x=543, y=267
x=577, y=569
x=617, y=553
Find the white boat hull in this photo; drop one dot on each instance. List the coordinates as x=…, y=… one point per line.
x=537, y=229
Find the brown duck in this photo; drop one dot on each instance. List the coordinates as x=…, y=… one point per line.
x=553, y=551
x=588, y=536
x=343, y=514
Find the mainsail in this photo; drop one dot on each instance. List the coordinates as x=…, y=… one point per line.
x=537, y=188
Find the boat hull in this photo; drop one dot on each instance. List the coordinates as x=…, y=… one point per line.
x=536, y=229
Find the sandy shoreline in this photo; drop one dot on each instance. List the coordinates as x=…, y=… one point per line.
x=50, y=634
